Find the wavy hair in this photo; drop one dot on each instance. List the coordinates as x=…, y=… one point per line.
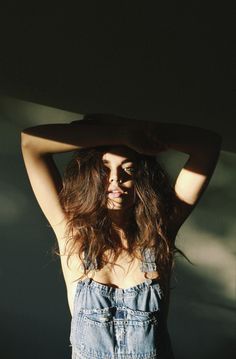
x=89, y=228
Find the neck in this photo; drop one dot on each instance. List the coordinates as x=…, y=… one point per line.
x=120, y=219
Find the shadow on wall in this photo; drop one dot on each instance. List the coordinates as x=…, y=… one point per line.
x=34, y=310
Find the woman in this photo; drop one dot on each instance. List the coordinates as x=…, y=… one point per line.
x=115, y=216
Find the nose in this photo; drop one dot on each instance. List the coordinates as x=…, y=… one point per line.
x=115, y=180
x=115, y=176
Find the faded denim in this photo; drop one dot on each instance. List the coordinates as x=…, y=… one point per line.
x=116, y=323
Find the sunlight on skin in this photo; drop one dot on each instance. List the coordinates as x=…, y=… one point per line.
x=188, y=180
x=120, y=164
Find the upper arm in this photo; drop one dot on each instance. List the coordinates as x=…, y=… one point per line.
x=192, y=181
x=46, y=183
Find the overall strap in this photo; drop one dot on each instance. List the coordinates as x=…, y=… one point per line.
x=88, y=262
x=148, y=263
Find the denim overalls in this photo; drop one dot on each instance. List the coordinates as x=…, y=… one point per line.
x=116, y=323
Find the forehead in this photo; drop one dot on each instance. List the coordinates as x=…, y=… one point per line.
x=119, y=154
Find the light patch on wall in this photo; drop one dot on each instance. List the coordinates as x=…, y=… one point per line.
x=32, y=114
x=14, y=204
x=212, y=258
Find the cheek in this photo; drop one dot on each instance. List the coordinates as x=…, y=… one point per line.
x=129, y=186
x=128, y=183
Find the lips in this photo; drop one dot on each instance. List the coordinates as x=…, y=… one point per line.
x=115, y=194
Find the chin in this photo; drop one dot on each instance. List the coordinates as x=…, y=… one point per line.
x=119, y=206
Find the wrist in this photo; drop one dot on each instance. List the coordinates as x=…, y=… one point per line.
x=156, y=133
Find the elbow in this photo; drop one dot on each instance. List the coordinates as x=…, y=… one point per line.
x=210, y=146
x=218, y=137
x=218, y=141
x=24, y=139
x=215, y=141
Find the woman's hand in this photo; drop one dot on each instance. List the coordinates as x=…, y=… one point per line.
x=142, y=137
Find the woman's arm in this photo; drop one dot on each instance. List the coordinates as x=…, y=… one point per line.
x=55, y=138
x=191, y=140
x=39, y=143
x=202, y=146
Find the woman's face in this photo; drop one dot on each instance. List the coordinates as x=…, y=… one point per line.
x=120, y=165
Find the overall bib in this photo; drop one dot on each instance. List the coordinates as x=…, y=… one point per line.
x=116, y=323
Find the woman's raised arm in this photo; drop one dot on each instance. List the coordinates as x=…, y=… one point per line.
x=54, y=138
x=39, y=143
x=203, y=147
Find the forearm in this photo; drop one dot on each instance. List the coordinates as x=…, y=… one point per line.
x=55, y=138
x=185, y=138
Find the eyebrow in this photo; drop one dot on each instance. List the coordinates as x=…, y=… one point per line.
x=124, y=161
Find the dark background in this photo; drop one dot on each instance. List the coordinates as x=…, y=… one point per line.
x=169, y=62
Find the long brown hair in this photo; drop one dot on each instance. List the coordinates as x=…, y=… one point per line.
x=89, y=228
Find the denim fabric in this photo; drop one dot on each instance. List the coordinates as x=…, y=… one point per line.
x=116, y=323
